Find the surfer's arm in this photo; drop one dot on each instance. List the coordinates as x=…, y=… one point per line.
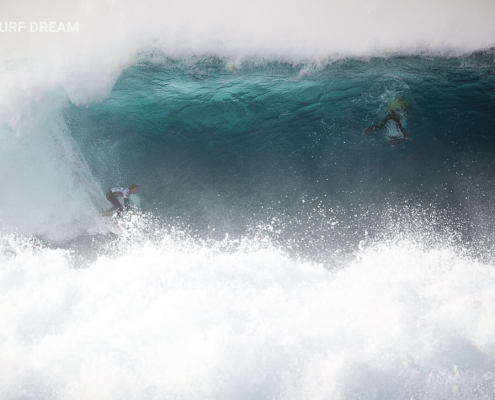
x=127, y=204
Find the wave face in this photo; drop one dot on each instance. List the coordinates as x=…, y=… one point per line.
x=227, y=149
x=275, y=251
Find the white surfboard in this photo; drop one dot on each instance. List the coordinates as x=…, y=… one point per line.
x=113, y=226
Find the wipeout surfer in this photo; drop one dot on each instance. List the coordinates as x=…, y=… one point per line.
x=396, y=113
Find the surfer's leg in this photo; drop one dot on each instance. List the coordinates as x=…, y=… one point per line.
x=115, y=202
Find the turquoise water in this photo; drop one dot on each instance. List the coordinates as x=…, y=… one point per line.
x=225, y=148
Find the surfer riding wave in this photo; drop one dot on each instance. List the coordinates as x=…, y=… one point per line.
x=112, y=195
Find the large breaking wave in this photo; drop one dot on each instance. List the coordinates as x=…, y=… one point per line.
x=275, y=252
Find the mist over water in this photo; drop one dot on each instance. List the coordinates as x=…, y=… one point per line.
x=274, y=251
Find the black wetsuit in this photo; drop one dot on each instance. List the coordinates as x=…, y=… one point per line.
x=112, y=198
x=392, y=115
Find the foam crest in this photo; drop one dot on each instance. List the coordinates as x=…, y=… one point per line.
x=184, y=320
x=112, y=35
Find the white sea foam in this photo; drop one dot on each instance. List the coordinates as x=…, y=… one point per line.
x=177, y=320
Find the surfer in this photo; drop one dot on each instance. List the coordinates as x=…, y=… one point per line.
x=396, y=131
x=123, y=192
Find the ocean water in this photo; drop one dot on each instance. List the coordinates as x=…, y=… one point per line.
x=273, y=251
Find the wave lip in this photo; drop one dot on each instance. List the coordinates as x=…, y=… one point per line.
x=111, y=38
x=296, y=30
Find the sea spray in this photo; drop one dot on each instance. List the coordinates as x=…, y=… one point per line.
x=175, y=318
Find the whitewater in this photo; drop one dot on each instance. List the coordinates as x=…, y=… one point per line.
x=273, y=251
